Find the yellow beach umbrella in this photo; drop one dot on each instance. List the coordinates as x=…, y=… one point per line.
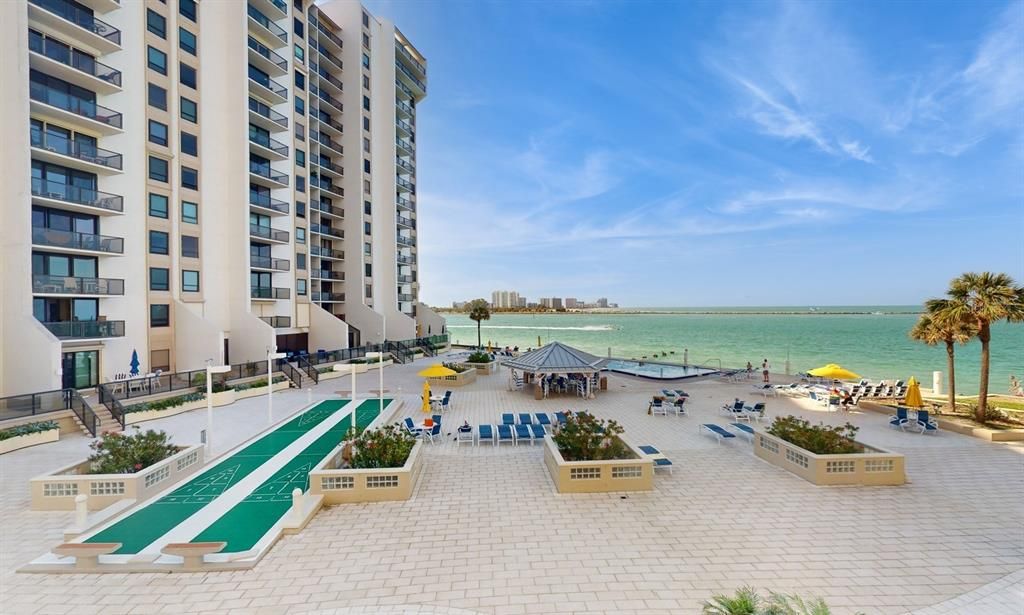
x=913, y=398
x=437, y=371
x=833, y=371
x=426, y=396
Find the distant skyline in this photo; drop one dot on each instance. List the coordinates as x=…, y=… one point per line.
x=710, y=154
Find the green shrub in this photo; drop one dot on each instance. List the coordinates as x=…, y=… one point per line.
x=479, y=357
x=255, y=384
x=26, y=429
x=746, y=601
x=366, y=360
x=128, y=453
x=386, y=447
x=820, y=439
x=585, y=437
x=166, y=403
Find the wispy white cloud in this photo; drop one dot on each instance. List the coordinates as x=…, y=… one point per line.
x=857, y=151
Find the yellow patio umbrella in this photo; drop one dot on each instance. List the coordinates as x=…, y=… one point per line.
x=426, y=396
x=913, y=398
x=437, y=371
x=833, y=371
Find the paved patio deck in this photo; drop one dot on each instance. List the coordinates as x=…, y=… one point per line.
x=486, y=533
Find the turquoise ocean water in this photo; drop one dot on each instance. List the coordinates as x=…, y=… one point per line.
x=870, y=340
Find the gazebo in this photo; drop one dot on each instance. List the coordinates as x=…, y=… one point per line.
x=555, y=359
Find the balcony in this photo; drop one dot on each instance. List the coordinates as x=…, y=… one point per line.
x=327, y=253
x=327, y=142
x=265, y=59
x=73, y=153
x=326, y=98
x=70, y=240
x=278, y=322
x=269, y=234
x=404, y=108
x=325, y=208
x=405, y=279
x=266, y=293
x=405, y=241
x=266, y=30
x=326, y=186
x=61, y=285
x=404, y=127
x=323, y=297
x=263, y=116
x=268, y=147
x=278, y=8
x=55, y=105
x=404, y=203
x=323, y=229
x=406, y=297
x=324, y=274
x=329, y=36
x=405, y=165
x=403, y=259
x=76, y=24
x=76, y=198
x=267, y=89
x=268, y=263
x=412, y=79
x=405, y=222
x=403, y=53
x=76, y=68
x=86, y=329
x=269, y=203
x=404, y=185
x=406, y=145
x=404, y=89
x=326, y=166
x=327, y=122
x=326, y=77
x=264, y=175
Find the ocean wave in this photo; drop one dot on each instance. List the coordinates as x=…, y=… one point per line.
x=584, y=328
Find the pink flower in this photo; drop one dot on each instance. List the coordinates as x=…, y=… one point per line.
x=138, y=467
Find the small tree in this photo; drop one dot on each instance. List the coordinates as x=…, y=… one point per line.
x=584, y=437
x=386, y=447
x=933, y=328
x=120, y=453
x=479, y=310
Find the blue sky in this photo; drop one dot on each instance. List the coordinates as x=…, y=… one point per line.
x=688, y=154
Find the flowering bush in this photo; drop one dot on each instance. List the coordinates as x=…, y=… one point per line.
x=585, y=437
x=386, y=447
x=479, y=357
x=120, y=453
x=28, y=428
x=820, y=439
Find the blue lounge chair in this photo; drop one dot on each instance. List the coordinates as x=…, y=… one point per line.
x=744, y=430
x=525, y=419
x=716, y=431
x=486, y=432
x=523, y=433
x=412, y=428
x=505, y=434
x=660, y=461
x=537, y=431
x=736, y=410
x=543, y=419
x=682, y=393
x=657, y=406
x=900, y=419
x=679, y=406
x=925, y=423
x=508, y=419
x=434, y=433
x=668, y=393
x=757, y=411
x=561, y=418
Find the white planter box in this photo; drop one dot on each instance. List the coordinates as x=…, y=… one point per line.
x=872, y=467
x=32, y=439
x=606, y=476
x=148, y=415
x=347, y=486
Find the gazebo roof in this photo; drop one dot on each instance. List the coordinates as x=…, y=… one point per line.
x=555, y=357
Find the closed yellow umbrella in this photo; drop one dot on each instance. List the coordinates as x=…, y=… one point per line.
x=437, y=371
x=834, y=372
x=913, y=398
x=426, y=396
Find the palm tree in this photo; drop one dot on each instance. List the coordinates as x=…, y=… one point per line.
x=479, y=310
x=981, y=299
x=932, y=329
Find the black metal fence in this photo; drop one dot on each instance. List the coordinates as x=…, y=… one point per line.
x=31, y=404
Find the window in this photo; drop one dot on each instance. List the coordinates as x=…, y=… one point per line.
x=158, y=169
x=366, y=166
x=187, y=75
x=300, y=131
x=300, y=235
x=366, y=145
x=189, y=143
x=157, y=205
x=157, y=132
x=300, y=183
x=187, y=41
x=367, y=249
x=157, y=97
x=366, y=186
x=300, y=54
x=159, y=315
x=189, y=281
x=366, y=60
x=300, y=209
x=158, y=242
x=366, y=20
x=300, y=80
x=189, y=212
x=366, y=124
x=369, y=270
x=366, y=228
x=190, y=246
x=297, y=27
x=156, y=23
x=369, y=292
x=187, y=8
x=367, y=208
x=366, y=40
x=366, y=81
x=300, y=286
x=366, y=103
x=159, y=278
x=189, y=110
x=297, y=4
x=189, y=178
x=300, y=158
x=300, y=261
x=157, y=60
x=300, y=105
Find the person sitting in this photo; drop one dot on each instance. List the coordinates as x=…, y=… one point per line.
x=847, y=400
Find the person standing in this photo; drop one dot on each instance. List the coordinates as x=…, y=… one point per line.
x=764, y=370
x=750, y=370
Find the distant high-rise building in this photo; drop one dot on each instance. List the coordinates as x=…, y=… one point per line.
x=602, y=302
x=556, y=303
x=571, y=303
x=504, y=299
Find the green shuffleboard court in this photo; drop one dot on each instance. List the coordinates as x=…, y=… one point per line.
x=153, y=520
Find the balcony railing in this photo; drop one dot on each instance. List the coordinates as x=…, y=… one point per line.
x=55, y=284
x=267, y=202
x=404, y=125
x=405, y=165
x=266, y=292
x=404, y=89
x=408, y=73
x=405, y=241
x=71, y=240
x=270, y=84
x=406, y=222
x=83, y=329
x=266, y=262
x=266, y=172
x=264, y=110
x=327, y=252
x=329, y=35
x=327, y=164
x=405, y=144
x=405, y=279
x=405, y=297
x=268, y=53
x=262, y=19
x=327, y=209
x=326, y=76
x=278, y=322
x=324, y=96
x=81, y=150
x=81, y=18
x=83, y=108
x=326, y=141
x=404, y=203
x=404, y=106
x=404, y=183
x=78, y=61
x=77, y=194
x=325, y=184
x=272, y=144
x=324, y=229
x=402, y=259
x=324, y=118
x=265, y=232
x=402, y=51
x=321, y=296
x=326, y=54
x=323, y=274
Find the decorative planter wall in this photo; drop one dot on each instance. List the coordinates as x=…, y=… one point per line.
x=223, y=398
x=483, y=369
x=458, y=380
x=874, y=467
x=992, y=435
x=347, y=486
x=361, y=368
x=32, y=439
x=598, y=476
x=57, y=490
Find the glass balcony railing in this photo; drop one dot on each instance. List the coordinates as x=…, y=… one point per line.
x=403, y=259
x=81, y=150
x=326, y=54
x=268, y=202
x=269, y=143
x=266, y=292
x=323, y=74
x=268, y=83
x=326, y=141
x=83, y=108
x=404, y=125
x=406, y=222
x=404, y=53
x=81, y=18
x=78, y=61
x=405, y=184
x=266, y=262
x=264, y=110
x=411, y=77
x=404, y=89
x=266, y=172
x=324, y=96
x=84, y=329
x=71, y=240
x=405, y=165
x=270, y=234
x=262, y=19
x=326, y=252
x=324, y=229
x=404, y=203
x=268, y=53
x=404, y=106
x=324, y=274
x=278, y=322
x=330, y=166
x=327, y=185
x=324, y=296
x=55, y=284
x=405, y=241
x=324, y=32
x=405, y=144
x=405, y=297
x=76, y=194
x=327, y=208
x=405, y=279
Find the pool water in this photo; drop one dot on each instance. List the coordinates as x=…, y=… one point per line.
x=657, y=370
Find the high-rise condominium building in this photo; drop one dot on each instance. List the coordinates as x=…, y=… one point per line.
x=504, y=299
x=189, y=181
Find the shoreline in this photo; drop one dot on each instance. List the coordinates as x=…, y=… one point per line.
x=708, y=312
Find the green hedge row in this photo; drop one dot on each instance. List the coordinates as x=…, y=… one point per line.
x=164, y=404
x=26, y=429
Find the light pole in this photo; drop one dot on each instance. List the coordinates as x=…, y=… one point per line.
x=210, y=371
x=380, y=366
x=352, y=369
x=271, y=357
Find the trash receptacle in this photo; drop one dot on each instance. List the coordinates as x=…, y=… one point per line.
x=604, y=383
x=538, y=391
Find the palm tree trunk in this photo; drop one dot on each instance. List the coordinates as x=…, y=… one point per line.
x=478, y=335
x=951, y=367
x=985, y=335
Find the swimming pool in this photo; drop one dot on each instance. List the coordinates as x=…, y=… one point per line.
x=656, y=370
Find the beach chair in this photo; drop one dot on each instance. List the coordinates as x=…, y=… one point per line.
x=463, y=435
x=508, y=419
x=661, y=462
x=716, y=431
x=765, y=390
x=434, y=433
x=668, y=393
x=744, y=430
x=757, y=411
x=657, y=406
x=735, y=410
x=505, y=435
x=543, y=420
x=679, y=406
x=899, y=420
x=681, y=393
x=537, y=431
x=412, y=428
x=925, y=423
x=525, y=419
x=522, y=432
x=561, y=418
x=485, y=432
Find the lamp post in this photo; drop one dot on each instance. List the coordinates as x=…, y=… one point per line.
x=271, y=357
x=352, y=369
x=210, y=371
